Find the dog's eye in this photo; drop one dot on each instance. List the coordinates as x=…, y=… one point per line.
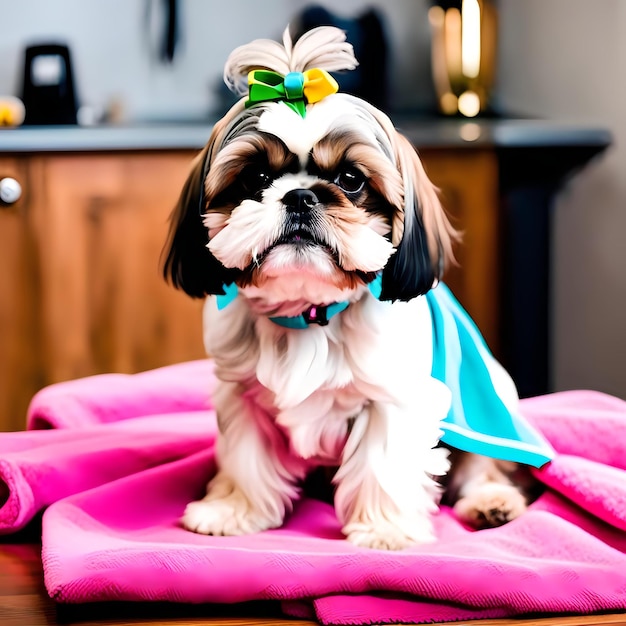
x=254, y=178
x=350, y=180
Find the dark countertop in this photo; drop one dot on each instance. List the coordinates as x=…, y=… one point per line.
x=423, y=132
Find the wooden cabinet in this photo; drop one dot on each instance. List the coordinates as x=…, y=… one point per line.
x=81, y=291
x=20, y=372
x=468, y=184
x=80, y=287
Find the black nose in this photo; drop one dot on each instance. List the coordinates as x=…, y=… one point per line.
x=299, y=200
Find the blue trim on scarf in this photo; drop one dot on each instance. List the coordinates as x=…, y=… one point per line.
x=230, y=293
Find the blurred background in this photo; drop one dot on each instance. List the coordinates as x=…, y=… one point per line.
x=141, y=62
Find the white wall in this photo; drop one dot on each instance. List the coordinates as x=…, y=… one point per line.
x=114, y=58
x=566, y=60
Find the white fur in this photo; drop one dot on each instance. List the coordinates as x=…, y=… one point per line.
x=335, y=111
x=302, y=388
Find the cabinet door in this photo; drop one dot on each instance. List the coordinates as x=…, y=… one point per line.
x=100, y=227
x=468, y=180
x=20, y=372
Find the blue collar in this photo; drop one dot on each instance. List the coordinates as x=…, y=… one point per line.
x=313, y=315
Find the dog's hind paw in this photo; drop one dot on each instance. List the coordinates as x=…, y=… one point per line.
x=490, y=505
x=230, y=515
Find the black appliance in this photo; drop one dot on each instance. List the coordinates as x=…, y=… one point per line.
x=48, y=89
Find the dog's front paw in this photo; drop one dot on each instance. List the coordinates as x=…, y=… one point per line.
x=229, y=515
x=385, y=536
x=491, y=505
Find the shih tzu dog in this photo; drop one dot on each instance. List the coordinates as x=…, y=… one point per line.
x=309, y=225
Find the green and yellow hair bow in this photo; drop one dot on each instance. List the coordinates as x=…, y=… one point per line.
x=296, y=89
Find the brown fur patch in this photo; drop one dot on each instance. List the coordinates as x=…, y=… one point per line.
x=230, y=161
x=341, y=147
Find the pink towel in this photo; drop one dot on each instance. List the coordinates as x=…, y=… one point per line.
x=108, y=427
x=115, y=490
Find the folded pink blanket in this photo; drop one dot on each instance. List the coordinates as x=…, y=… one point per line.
x=131, y=451
x=108, y=426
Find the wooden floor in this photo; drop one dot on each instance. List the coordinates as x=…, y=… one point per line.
x=24, y=602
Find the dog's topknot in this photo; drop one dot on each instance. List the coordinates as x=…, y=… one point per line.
x=324, y=47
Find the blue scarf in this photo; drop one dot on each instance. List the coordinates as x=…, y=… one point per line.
x=478, y=420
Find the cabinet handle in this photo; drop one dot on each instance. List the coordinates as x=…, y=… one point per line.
x=10, y=191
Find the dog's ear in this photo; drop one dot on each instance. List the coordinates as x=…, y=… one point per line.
x=421, y=232
x=188, y=264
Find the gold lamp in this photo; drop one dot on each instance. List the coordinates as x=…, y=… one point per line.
x=464, y=40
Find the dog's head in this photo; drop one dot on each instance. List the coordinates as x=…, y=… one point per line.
x=303, y=194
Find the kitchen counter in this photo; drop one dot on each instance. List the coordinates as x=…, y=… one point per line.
x=499, y=177
x=29, y=139
x=424, y=133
